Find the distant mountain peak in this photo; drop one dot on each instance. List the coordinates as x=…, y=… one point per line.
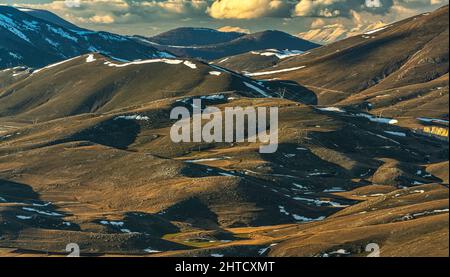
x=193, y=36
x=210, y=44
x=50, y=17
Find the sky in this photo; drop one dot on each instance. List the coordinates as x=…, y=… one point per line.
x=314, y=19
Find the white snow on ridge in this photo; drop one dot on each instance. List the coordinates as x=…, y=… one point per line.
x=167, y=61
x=207, y=160
x=133, y=117
x=331, y=109
x=224, y=60
x=53, y=65
x=274, y=72
x=163, y=60
x=375, y=31
x=280, y=54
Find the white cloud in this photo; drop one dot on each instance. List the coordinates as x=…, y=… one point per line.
x=234, y=29
x=248, y=9
x=102, y=19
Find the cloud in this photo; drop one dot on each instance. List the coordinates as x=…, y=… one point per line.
x=233, y=29
x=341, y=8
x=172, y=6
x=318, y=23
x=124, y=11
x=72, y=3
x=102, y=19
x=248, y=9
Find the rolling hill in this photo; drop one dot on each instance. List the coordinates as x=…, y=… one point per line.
x=116, y=176
x=186, y=36
x=400, y=70
x=104, y=84
x=242, y=44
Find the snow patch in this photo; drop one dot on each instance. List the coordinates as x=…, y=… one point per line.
x=307, y=219
x=133, y=117
x=190, y=64
x=90, y=58
x=376, y=30
x=22, y=217
x=215, y=73
x=381, y=120
x=274, y=72
x=332, y=109
x=139, y=62
x=150, y=251
x=398, y=134
x=41, y=212
x=217, y=255
x=280, y=54
x=255, y=88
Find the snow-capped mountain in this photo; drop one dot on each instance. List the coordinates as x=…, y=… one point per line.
x=27, y=40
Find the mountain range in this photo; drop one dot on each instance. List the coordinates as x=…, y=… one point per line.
x=36, y=38
x=215, y=45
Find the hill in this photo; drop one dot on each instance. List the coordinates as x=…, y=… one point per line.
x=400, y=70
x=188, y=36
x=245, y=43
